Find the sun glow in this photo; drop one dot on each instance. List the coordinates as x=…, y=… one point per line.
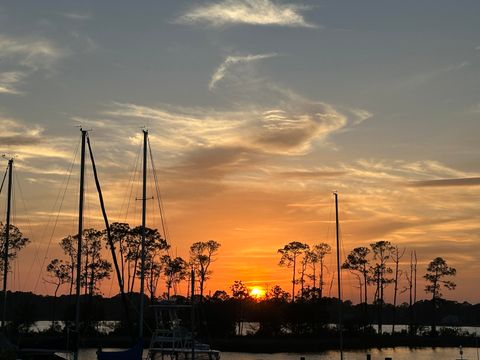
x=257, y=292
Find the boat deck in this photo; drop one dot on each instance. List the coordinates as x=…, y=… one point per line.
x=183, y=353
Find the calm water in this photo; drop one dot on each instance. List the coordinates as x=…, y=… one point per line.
x=248, y=328
x=399, y=353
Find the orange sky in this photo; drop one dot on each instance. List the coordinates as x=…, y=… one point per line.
x=257, y=111
x=253, y=218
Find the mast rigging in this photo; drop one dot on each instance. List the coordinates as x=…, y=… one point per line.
x=6, y=245
x=340, y=315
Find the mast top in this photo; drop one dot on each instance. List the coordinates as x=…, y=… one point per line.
x=8, y=157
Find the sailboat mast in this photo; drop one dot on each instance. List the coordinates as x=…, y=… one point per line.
x=144, y=216
x=79, y=243
x=6, y=245
x=340, y=316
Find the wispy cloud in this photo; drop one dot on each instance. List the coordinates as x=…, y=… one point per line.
x=431, y=75
x=77, y=16
x=9, y=80
x=252, y=12
x=25, y=56
x=27, y=143
x=33, y=53
x=289, y=130
x=361, y=115
x=230, y=61
x=16, y=133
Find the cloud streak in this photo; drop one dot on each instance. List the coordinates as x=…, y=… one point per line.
x=473, y=181
x=9, y=80
x=33, y=53
x=77, y=16
x=26, y=56
x=288, y=131
x=230, y=61
x=14, y=133
x=250, y=12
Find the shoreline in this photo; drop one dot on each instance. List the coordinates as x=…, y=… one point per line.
x=284, y=344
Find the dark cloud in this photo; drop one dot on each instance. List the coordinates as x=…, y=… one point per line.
x=446, y=182
x=216, y=162
x=287, y=139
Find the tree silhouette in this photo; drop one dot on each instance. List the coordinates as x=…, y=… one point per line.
x=437, y=270
x=277, y=293
x=154, y=245
x=381, y=253
x=68, y=245
x=16, y=242
x=175, y=270
x=95, y=268
x=320, y=251
x=357, y=261
x=58, y=274
x=239, y=290
x=303, y=269
x=396, y=255
x=202, y=254
x=290, y=253
x=121, y=234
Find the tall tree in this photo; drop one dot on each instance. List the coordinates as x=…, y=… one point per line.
x=411, y=280
x=289, y=255
x=68, y=245
x=153, y=272
x=303, y=270
x=120, y=234
x=396, y=256
x=58, y=274
x=381, y=253
x=95, y=268
x=202, y=254
x=321, y=251
x=437, y=270
x=357, y=261
x=240, y=292
x=154, y=245
x=175, y=271
x=16, y=243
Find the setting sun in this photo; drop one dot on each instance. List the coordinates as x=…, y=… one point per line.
x=257, y=292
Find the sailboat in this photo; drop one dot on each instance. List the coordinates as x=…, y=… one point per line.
x=169, y=338
x=134, y=352
x=6, y=347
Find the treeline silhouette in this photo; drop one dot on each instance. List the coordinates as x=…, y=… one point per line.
x=305, y=311
x=222, y=315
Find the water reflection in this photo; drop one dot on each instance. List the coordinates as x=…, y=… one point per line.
x=399, y=353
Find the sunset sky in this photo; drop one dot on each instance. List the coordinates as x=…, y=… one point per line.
x=257, y=110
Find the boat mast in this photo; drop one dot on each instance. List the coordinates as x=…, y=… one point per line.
x=144, y=215
x=7, y=236
x=79, y=243
x=337, y=232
